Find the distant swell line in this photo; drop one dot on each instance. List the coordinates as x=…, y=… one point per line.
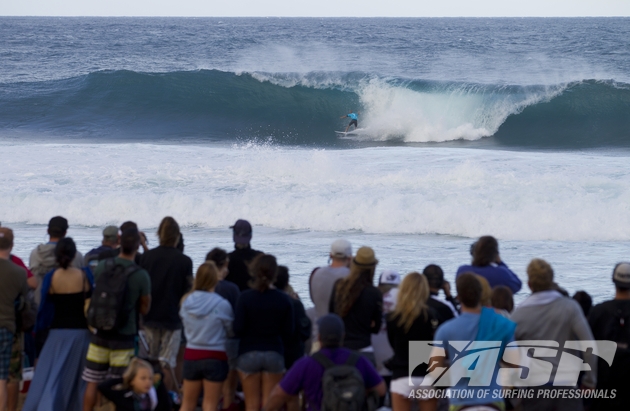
x=304, y=109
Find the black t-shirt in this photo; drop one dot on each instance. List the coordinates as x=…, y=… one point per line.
x=238, y=272
x=263, y=320
x=367, y=309
x=422, y=329
x=294, y=347
x=229, y=291
x=602, y=319
x=443, y=311
x=115, y=252
x=171, y=277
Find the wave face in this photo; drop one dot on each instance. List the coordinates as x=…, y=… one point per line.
x=300, y=109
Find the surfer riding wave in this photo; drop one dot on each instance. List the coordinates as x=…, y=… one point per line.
x=354, y=117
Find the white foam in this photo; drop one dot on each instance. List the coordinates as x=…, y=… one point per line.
x=451, y=112
x=512, y=195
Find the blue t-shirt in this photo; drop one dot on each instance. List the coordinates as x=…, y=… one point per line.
x=353, y=116
x=465, y=328
x=306, y=374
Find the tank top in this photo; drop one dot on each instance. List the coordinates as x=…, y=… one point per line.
x=69, y=310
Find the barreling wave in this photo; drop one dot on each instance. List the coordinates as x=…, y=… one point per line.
x=305, y=108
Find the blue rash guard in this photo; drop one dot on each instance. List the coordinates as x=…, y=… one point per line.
x=353, y=116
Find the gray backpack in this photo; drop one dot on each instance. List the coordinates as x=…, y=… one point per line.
x=342, y=384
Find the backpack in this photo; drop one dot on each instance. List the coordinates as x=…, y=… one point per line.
x=107, y=306
x=618, y=330
x=25, y=311
x=342, y=384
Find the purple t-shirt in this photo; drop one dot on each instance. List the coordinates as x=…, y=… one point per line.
x=306, y=374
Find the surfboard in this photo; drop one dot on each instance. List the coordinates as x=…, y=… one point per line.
x=354, y=132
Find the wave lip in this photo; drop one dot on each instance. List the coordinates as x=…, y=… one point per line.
x=304, y=109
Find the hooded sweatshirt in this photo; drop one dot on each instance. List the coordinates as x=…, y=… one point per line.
x=207, y=319
x=43, y=260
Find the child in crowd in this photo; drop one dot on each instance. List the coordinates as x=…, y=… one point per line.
x=136, y=390
x=502, y=301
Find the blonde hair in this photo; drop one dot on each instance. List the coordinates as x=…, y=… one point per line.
x=132, y=370
x=540, y=275
x=486, y=291
x=412, y=298
x=207, y=276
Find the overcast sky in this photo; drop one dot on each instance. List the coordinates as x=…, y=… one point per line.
x=316, y=8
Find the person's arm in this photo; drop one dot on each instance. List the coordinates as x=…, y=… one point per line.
x=302, y=322
x=377, y=314
x=510, y=279
x=380, y=389
x=290, y=386
x=33, y=260
x=144, y=304
x=238, y=326
x=344, y=116
x=583, y=332
x=593, y=320
x=143, y=242
x=32, y=282
x=289, y=321
x=310, y=284
x=333, y=296
x=227, y=319
x=391, y=332
x=107, y=389
x=277, y=399
x=188, y=278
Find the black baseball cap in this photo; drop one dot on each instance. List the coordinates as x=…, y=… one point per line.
x=331, y=330
x=58, y=224
x=242, y=232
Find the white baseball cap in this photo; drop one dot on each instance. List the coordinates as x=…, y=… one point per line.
x=390, y=277
x=341, y=249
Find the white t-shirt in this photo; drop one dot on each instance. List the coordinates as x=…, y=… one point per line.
x=321, y=285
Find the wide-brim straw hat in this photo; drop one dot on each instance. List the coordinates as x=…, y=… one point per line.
x=365, y=257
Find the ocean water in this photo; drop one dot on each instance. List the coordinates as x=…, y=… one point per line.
x=518, y=128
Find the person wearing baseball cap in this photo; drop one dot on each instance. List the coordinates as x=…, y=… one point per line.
x=323, y=279
x=43, y=259
x=243, y=254
x=610, y=321
x=306, y=374
x=388, y=286
x=110, y=242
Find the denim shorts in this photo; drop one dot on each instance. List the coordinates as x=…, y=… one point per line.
x=260, y=361
x=209, y=370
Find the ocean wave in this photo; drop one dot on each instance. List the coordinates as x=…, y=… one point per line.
x=381, y=190
x=292, y=108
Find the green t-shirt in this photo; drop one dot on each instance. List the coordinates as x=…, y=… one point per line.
x=138, y=285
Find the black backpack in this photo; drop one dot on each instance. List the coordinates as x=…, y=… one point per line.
x=107, y=307
x=342, y=384
x=618, y=330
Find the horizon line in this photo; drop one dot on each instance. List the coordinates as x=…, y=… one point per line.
x=317, y=17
